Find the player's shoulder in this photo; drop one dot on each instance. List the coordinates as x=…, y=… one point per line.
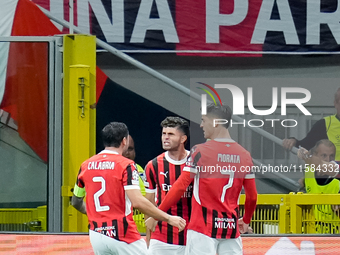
x=239, y=149
x=107, y=155
x=206, y=147
x=154, y=162
x=123, y=161
x=198, y=147
x=91, y=159
x=160, y=157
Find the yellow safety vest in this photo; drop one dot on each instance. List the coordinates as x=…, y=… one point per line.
x=142, y=179
x=323, y=213
x=333, y=133
x=138, y=217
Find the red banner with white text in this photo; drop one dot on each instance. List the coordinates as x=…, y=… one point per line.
x=207, y=27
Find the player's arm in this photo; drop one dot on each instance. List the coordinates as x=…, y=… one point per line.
x=148, y=237
x=249, y=205
x=172, y=197
x=176, y=191
x=146, y=207
x=77, y=200
x=251, y=199
x=79, y=204
x=151, y=198
x=150, y=192
x=317, y=132
x=131, y=187
x=182, y=183
x=149, y=221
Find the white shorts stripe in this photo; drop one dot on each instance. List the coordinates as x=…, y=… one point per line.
x=249, y=176
x=150, y=190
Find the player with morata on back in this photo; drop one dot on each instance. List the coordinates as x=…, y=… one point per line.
x=219, y=167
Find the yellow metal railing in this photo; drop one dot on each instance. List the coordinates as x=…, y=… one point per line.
x=138, y=217
x=275, y=214
x=314, y=213
x=295, y=213
x=23, y=219
x=271, y=215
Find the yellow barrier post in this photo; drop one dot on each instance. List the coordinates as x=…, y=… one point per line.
x=284, y=214
x=295, y=215
x=42, y=216
x=79, y=98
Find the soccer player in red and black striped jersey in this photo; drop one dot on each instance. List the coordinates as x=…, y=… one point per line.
x=110, y=182
x=220, y=168
x=161, y=173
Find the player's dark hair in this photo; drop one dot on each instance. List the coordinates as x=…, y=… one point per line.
x=178, y=123
x=114, y=133
x=221, y=112
x=325, y=142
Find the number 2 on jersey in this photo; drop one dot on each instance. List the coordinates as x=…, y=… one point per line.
x=100, y=208
x=228, y=185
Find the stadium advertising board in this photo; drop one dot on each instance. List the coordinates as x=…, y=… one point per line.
x=80, y=244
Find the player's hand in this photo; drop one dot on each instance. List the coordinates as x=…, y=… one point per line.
x=250, y=230
x=288, y=144
x=150, y=224
x=244, y=228
x=302, y=153
x=178, y=222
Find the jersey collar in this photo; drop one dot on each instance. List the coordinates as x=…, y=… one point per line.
x=175, y=162
x=228, y=140
x=108, y=152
